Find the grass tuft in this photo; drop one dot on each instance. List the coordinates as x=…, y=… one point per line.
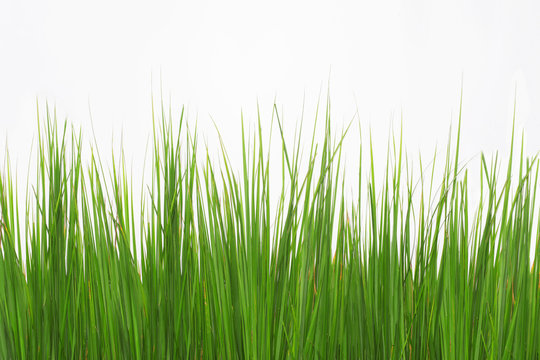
x=206, y=270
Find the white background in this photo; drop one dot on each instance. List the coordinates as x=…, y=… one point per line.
x=386, y=59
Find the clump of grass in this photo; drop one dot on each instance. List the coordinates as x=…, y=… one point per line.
x=207, y=271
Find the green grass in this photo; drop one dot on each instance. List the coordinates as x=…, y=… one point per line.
x=206, y=270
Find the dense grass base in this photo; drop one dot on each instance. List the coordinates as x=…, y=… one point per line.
x=207, y=271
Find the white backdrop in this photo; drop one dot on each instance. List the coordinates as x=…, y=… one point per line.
x=384, y=58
